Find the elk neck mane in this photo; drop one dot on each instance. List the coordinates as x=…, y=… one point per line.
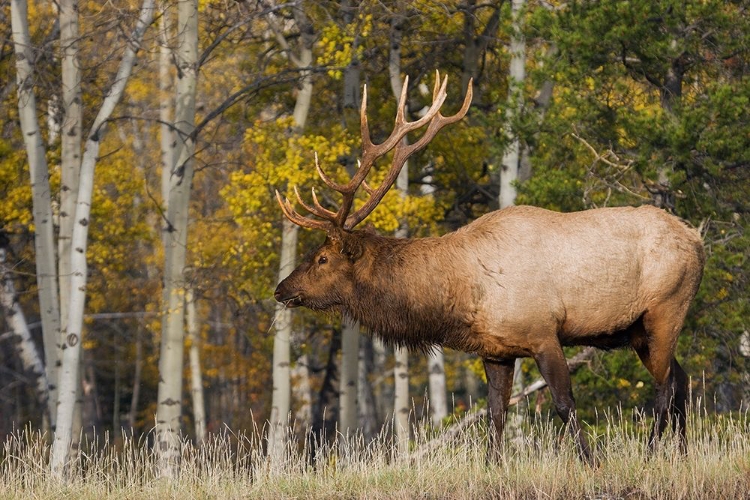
x=402, y=292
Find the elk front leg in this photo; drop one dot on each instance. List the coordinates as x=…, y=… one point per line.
x=554, y=368
x=499, y=384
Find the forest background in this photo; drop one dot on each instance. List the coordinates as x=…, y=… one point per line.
x=620, y=103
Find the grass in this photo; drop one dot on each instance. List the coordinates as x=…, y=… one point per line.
x=539, y=464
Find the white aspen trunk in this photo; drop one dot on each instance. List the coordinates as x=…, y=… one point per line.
x=44, y=243
x=281, y=394
x=196, y=377
x=515, y=420
x=367, y=410
x=349, y=375
x=280, y=405
x=511, y=155
x=167, y=136
x=299, y=372
x=69, y=370
x=383, y=392
x=401, y=402
x=53, y=122
x=304, y=96
x=133, y=413
x=302, y=392
x=70, y=163
x=302, y=60
x=27, y=352
x=745, y=351
x=169, y=398
x=437, y=388
x=352, y=72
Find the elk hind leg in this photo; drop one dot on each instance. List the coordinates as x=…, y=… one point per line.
x=678, y=409
x=656, y=351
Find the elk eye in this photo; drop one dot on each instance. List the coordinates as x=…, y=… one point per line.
x=322, y=260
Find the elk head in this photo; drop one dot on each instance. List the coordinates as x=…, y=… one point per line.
x=327, y=276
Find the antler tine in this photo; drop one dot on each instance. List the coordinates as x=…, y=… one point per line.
x=436, y=122
x=370, y=151
x=296, y=218
x=367, y=188
x=317, y=210
x=323, y=212
x=401, y=107
x=435, y=125
x=328, y=181
x=439, y=88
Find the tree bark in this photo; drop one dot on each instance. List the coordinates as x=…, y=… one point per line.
x=401, y=402
x=745, y=351
x=27, y=352
x=304, y=59
x=280, y=405
x=71, y=139
x=325, y=416
x=169, y=399
x=437, y=389
x=301, y=390
x=510, y=165
x=138, y=369
x=352, y=72
x=349, y=373
x=367, y=404
x=167, y=136
x=281, y=394
x=196, y=377
x=44, y=243
x=69, y=374
x=476, y=45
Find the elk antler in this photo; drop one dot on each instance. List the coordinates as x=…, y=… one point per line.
x=370, y=153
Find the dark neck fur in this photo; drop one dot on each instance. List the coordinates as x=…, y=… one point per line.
x=390, y=305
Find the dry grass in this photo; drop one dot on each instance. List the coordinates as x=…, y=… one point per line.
x=541, y=464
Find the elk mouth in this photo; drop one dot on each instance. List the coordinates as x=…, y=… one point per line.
x=293, y=301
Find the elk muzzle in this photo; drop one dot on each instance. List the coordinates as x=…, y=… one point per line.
x=290, y=298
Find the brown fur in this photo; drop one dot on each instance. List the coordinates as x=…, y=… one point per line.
x=493, y=286
x=521, y=282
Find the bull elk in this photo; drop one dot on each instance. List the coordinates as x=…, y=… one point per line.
x=517, y=282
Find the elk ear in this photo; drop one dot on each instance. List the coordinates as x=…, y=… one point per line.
x=346, y=243
x=369, y=228
x=351, y=246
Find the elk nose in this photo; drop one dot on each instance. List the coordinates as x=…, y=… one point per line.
x=279, y=294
